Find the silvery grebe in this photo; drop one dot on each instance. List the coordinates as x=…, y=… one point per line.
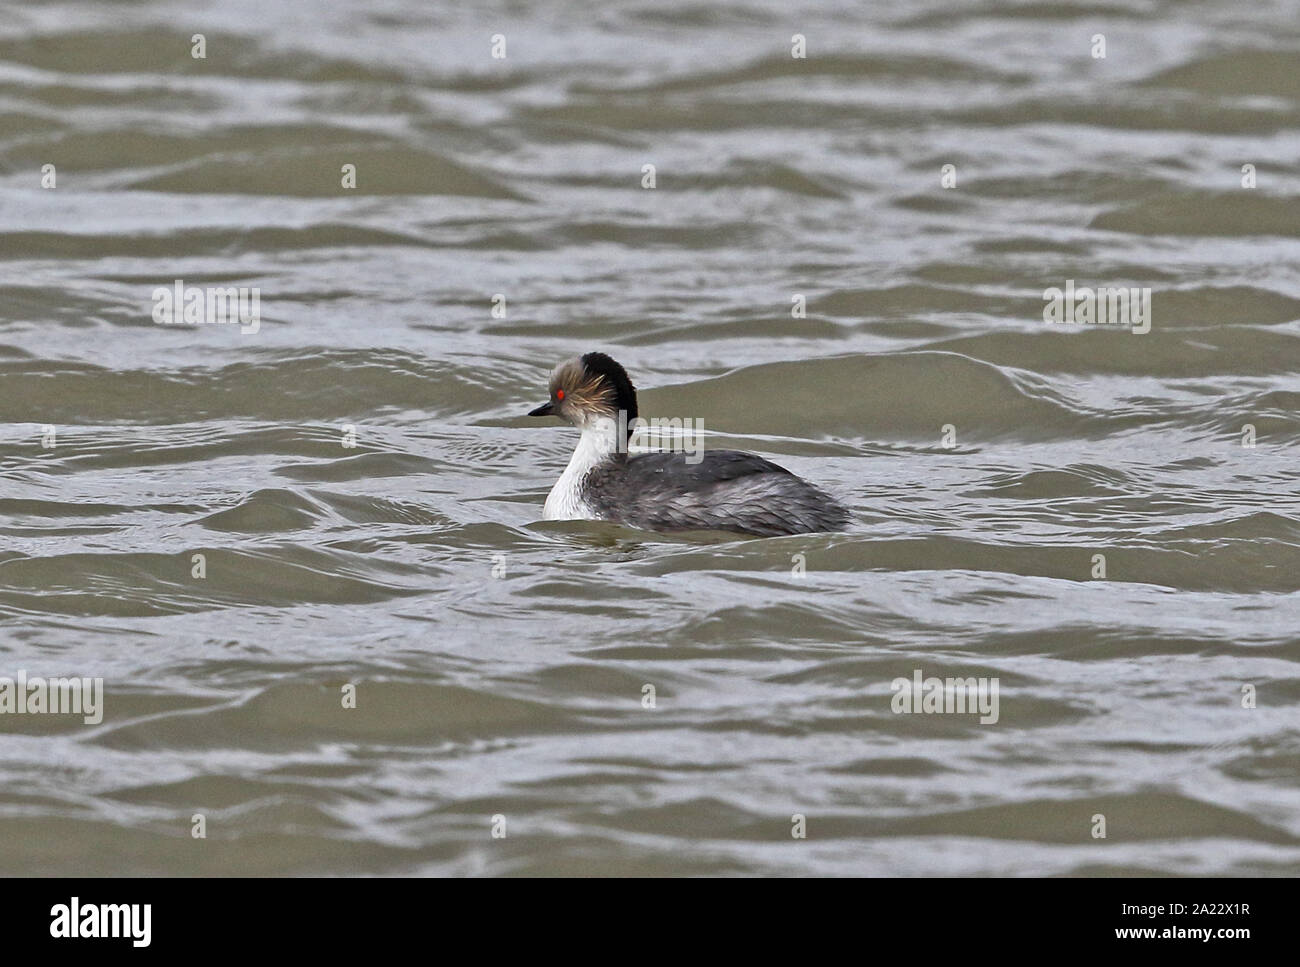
x=723, y=490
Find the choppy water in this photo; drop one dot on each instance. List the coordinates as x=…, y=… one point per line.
x=521, y=696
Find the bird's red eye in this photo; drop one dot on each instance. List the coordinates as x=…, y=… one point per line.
x=559, y=394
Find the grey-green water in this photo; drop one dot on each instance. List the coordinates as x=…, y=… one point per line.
x=988, y=457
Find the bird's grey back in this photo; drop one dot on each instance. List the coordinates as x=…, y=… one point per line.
x=725, y=490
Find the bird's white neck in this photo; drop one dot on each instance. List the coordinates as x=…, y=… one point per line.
x=598, y=443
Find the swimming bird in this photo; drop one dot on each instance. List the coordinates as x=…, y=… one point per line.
x=725, y=490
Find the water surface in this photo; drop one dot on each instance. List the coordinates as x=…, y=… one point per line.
x=500, y=664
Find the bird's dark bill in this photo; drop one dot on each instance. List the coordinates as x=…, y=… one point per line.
x=546, y=409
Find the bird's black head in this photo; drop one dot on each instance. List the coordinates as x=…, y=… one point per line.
x=589, y=387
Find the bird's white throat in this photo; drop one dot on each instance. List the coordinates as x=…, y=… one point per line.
x=599, y=442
